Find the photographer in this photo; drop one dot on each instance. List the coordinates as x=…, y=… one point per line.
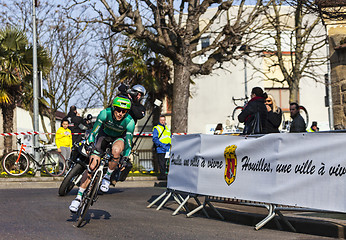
x=136, y=94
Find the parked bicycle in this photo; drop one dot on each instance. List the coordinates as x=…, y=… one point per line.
x=18, y=162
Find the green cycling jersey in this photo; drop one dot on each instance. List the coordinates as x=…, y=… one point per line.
x=114, y=128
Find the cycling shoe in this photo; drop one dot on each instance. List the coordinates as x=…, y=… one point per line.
x=105, y=185
x=75, y=205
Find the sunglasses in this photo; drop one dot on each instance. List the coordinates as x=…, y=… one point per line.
x=120, y=110
x=268, y=101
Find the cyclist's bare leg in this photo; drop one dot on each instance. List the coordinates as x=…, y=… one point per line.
x=93, y=164
x=117, y=148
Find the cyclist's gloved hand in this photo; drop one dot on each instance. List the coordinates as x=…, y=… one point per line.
x=125, y=162
x=88, y=146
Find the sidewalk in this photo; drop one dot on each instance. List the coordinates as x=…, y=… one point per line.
x=54, y=182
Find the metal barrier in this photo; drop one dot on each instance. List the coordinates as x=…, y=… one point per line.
x=143, y=159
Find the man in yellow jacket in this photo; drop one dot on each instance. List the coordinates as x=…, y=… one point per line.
x=63, y=140
x=162, y=141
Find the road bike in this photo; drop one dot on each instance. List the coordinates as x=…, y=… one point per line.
x=232, y=123
x=19, y=162
x=90, y=194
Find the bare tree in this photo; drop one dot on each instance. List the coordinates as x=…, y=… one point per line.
x=68, y=45
x=103, y=80
x=297, y=40
x=174, y=29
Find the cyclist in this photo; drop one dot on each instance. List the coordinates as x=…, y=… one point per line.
x=113, y=125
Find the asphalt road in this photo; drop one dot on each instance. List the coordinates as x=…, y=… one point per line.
x=120, y=214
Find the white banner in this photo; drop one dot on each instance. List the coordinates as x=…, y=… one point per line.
x=296, y=169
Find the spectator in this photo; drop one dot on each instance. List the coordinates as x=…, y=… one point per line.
x=74, y=122
x=298, y=123
x=162, y=141
x=63, y=140
x=274, y=115
x=313, y=127
x=256, y=104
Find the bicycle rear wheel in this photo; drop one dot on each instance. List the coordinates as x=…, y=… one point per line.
x=89, y=198
x=15, y=164
x=54, y=163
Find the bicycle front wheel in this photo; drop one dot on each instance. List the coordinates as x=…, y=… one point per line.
x=69, y=181
x=54, y=163
x=89, y=198
x=15, y=163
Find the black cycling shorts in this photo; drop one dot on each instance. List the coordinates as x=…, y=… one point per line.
x=104, y=141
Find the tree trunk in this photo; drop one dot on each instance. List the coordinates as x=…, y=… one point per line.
x=294, y=91
x=8, y=115
x=181, y=95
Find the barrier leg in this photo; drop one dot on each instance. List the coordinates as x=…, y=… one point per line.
x=215, y=210
x=269, y=217
x=199, y=204
x=286, y=221
x=181, y=205
x=157, y=199
x=176, y=198
x=196, y=210
x=164, y=201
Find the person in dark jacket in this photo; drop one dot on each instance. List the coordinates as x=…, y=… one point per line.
x=274, y=115
x=74, y=122
x=256, y=104
x=298, y=123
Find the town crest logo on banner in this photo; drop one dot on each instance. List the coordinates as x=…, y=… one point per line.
x=231, y=164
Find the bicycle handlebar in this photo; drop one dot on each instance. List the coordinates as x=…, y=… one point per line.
x=245, y=99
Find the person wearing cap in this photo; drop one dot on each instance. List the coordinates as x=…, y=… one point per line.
x=113, y=126
x=313, y=127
